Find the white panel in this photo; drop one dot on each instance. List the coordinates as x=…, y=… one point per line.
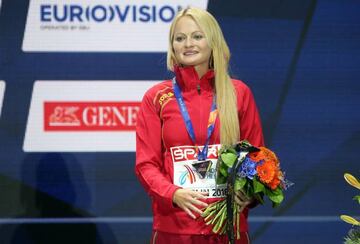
x=101, y=25
x=39, y=140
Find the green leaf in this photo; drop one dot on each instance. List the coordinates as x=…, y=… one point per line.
x=273, y=192
x=239, y=183
x=275, y=196
x=274, y=204
x=259, y=198
x=229, y=158
x=221, y=179
x=258, y=186
x=232, y=150
x=227, y=149
x=223, y=170
x=249, y=190
x=357, y=198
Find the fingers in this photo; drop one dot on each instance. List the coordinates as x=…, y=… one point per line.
x=189, y=201
x=190, y=208
x=200, y=203
x=205, y=194
x=193, y=208
x=242, y=200
x=201, y=196
x=189, y=213
x=194, y=201
x=241, y=209
x=242, y=196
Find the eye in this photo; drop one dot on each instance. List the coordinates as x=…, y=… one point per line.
x=198, y=36
x=179, y=38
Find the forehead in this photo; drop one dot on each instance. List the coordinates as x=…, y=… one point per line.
x=186, y=25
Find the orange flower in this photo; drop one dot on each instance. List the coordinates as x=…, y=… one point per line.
x=266, y=171
x=257, y=156
x=264, y=154
x=276, y=181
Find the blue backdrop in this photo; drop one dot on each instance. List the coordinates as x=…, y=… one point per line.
x=302, y=61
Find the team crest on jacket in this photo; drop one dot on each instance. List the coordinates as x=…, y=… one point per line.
x=163, y=97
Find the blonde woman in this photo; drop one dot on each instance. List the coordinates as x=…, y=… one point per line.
x=181, y=125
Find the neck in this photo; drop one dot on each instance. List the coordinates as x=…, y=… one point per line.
x=201, y=70
x=188, y=78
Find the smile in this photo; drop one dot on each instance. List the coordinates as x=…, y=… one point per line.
x=189, y=53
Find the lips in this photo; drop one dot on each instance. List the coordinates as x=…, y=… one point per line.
x=188, y=53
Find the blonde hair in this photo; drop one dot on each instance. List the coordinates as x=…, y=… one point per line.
x=226, y=100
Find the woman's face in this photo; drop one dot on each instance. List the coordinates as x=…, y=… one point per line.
x=190, y=45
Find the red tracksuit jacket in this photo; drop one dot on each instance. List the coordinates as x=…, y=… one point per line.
x=161, y=135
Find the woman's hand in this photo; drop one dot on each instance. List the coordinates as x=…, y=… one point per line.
x=242, y=200
x=188, y=201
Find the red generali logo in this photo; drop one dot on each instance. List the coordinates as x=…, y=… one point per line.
x=90, y=116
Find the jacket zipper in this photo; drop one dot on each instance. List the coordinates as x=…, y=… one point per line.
x=201, y=109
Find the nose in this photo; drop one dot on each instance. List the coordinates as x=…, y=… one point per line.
x=188, y=42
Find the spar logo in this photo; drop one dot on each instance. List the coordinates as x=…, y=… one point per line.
x=98, y=13
x=90, y=116
x=101, y=25
x=186, y=153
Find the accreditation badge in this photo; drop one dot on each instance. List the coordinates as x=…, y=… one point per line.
x=190, y=173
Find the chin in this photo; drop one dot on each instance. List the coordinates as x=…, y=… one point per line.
x=189, y=62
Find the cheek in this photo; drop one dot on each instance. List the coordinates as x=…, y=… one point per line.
x=176, y=48
x=206, y=49
x=207, y=53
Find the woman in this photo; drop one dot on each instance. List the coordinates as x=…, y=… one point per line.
x=181, y=125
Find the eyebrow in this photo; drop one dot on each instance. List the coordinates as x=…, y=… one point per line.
x=190, y=33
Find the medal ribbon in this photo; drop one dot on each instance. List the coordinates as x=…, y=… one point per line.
x=202, y=155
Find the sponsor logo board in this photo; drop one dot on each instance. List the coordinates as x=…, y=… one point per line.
x=84, y=116
x=101, y=25
x=90, y=116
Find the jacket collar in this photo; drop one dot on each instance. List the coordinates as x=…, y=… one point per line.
x=188, y=79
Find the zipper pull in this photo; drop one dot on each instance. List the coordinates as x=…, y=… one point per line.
x=198, y=89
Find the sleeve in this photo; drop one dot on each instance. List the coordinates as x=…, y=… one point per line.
x=250, y=123
x=149, y=159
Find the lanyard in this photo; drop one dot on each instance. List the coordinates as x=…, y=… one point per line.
x=202, y=155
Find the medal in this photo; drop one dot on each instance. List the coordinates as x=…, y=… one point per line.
x=202, y=167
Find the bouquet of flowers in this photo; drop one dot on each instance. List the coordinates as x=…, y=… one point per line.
x=254, y=171
x=354, y=234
